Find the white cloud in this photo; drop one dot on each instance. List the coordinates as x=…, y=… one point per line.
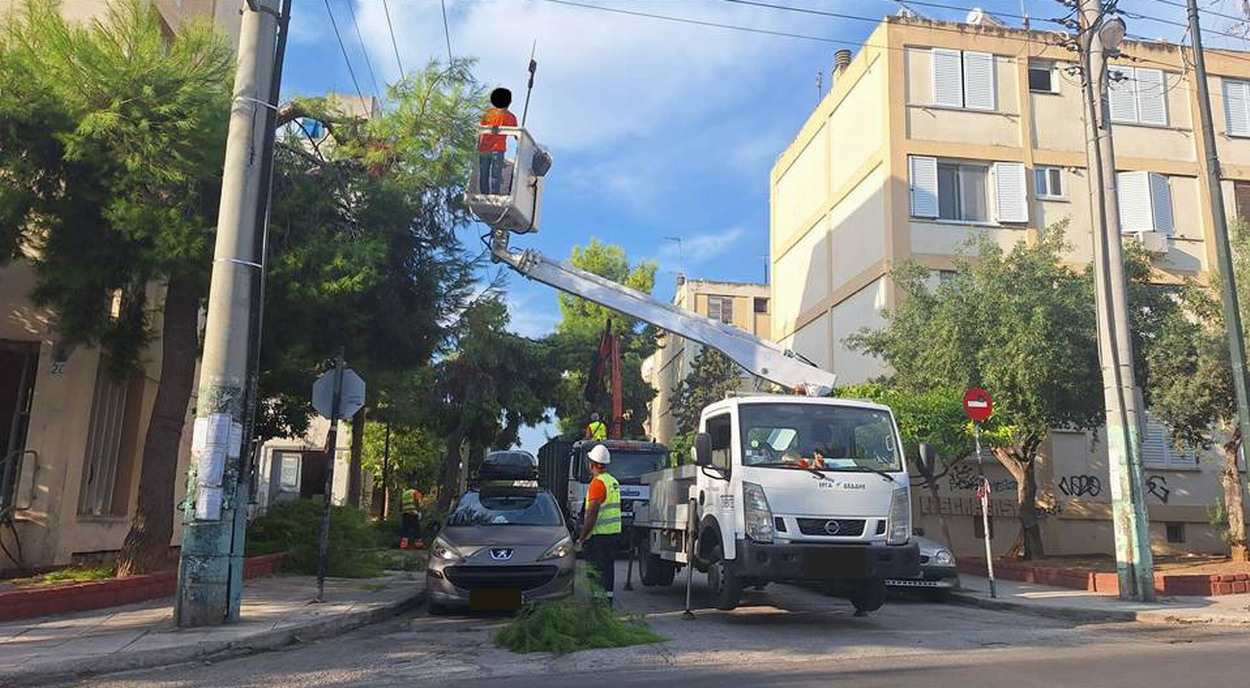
x=699, y=249
x=531, y=314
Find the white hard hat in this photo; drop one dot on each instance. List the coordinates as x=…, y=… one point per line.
x=600, y=455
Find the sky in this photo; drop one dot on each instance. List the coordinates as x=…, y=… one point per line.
x=660, y=130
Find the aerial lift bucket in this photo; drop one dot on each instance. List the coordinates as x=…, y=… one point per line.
x=518, y=204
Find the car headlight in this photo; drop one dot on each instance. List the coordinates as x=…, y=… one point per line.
x=900, y=518
x=944, y=558
x=559, y=550
x=759, y=517
x=445, y=552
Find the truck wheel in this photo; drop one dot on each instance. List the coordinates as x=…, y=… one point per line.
x=654, y=570
x=724, y=583
x=940, y=595
x=869, y=597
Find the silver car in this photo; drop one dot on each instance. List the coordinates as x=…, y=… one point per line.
x=502, y=546
x=938, y=575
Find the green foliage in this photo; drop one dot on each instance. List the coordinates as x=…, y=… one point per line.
x=933, y=416
x=571, y=625
x=71, y=574
x=416, y=455
x=293, y=527
x=711, y=377
x=1217, y=516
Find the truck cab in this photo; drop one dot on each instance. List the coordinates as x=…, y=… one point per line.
x=631, y=460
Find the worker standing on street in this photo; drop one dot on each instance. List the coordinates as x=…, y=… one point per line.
x=596, y=430
x=602, y=524
x=410, y=535
x=492, y=147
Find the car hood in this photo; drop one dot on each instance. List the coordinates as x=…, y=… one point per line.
x=469, y=539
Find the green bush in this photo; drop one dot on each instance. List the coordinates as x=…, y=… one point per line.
x=572, y=624
x=294, y=527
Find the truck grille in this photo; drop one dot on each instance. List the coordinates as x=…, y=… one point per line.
x=838, y=527
x=500, y=577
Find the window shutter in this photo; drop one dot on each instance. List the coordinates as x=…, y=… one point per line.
x=1237, y=107
x=948, y=88
x=924, y=186
x=1152, y=105
x=1011, y=203
x=1122, y=94
x=1153, y=443
x=1161, y=203
x=1133, y=191
x=979, y=81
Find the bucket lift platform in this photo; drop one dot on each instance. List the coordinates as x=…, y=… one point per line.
x=518, y=207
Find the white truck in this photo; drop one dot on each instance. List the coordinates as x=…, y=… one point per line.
x=781, y=487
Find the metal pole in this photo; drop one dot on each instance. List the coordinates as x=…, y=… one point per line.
x=208, y=589
x=691, y=505
x=332, y=446
x=985, y=512
x=386, y=474
x=1130, y=523
x=1223, y=251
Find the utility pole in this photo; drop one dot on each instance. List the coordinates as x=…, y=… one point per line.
x=1223, y=251
x=1099, y=36
x=210, y=569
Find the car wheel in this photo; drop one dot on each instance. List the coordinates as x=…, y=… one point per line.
x=940, y=595
x=724, y=583
x=869, y=597
x=437, y=608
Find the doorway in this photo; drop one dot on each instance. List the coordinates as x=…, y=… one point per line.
x=18, y=363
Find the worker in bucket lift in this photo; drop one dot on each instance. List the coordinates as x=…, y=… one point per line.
x=492, y=147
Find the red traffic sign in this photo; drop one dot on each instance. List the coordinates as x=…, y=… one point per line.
x=978, y=405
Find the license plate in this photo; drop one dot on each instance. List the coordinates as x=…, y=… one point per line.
x=494, y=600
x=841, y=562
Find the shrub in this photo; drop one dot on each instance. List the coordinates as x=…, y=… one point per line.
x=294, y=528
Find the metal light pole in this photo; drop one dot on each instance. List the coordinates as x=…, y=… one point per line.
x=209, y=571
x=1099, y=36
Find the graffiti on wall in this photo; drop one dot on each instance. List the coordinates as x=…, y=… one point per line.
x=1157, y=485
x=964, y=477
x=1080, y=485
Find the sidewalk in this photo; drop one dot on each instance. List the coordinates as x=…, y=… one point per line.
x=276, y=612
x=1084, y=606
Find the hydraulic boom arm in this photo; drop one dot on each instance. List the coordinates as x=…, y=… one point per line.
x=758, y=356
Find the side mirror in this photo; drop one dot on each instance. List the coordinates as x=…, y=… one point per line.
x=702, y=449
x=928, y=459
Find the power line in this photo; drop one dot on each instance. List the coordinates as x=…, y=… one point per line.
x=394, y=44
x=343, y=48
x=1207, y=11
x=363, y=50
x=446, y=31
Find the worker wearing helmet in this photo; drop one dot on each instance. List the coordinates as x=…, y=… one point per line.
x=602, y=524
x=596, y=430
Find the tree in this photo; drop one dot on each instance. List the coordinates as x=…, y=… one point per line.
x=1192, y=378
x=576, y=341
x=1018, y=323
x=712, y=375
x=415, y=457
x=112, y=139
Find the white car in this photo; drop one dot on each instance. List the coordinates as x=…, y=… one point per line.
x=938, y=575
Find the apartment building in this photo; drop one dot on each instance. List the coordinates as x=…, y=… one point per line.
x=72, y=437
x=742, y=304
x=937, y=133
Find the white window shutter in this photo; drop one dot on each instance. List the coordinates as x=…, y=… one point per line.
x=948, y=86
x=979, y=81
x=1153, y=443
x=1136, y=211
x=1152, y=105
x=924, y=186
x=1237, y=107
x=1011, y=203
x=1161, y=203
x=1122, y=95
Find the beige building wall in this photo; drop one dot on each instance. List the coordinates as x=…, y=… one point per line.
x=223, y=13
x=674, y=358
x=831, y=254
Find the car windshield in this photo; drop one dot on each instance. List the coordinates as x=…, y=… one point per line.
x=510, y=508
x=818, y=436
x=628, y=466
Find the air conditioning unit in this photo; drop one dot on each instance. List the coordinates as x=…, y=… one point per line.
x=979, y=17
x=1154, y=242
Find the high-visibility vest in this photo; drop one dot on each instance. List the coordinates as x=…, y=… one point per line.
x=597, y=431
x=410, y=499
x=609, y=520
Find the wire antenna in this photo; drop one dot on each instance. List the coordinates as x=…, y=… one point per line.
x=529, y=88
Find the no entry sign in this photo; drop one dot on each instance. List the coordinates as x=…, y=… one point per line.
x=978, y=405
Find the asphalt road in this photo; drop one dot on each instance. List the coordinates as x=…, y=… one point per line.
x=783, y=635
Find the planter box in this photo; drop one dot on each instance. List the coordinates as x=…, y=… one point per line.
x=1195, y=584
x=81, y=597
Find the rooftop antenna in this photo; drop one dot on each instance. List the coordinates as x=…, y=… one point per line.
x=681, y=257
x=530, y=87
x=820, y=86
x=764, y=258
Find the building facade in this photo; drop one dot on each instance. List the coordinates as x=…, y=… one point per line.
x=742, y=304
x=940, y=133
x=73, y=436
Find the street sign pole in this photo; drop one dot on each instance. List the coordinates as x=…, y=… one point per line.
x=332, y=440
x=984, y=494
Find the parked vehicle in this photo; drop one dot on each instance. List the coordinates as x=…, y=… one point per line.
x=938, y=574
x=505, y=543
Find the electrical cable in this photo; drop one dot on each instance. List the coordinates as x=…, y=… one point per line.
x=343, y=48
x=394, y=44
x=446, y=31
x=363, y=50
x=1211, y=12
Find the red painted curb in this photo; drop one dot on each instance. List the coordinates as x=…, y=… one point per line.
x=81, y=597
x=1195, y=584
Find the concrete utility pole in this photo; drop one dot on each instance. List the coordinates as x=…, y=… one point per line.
x=210, y=569
x=1099, y=36
x=1223, y=251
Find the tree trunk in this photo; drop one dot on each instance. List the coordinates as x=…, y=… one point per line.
x=1020, y=463
x=1233, y=504
x=355, y=470
x=146, y=548
x=450, y=483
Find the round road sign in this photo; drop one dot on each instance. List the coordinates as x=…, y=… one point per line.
x=978, y=405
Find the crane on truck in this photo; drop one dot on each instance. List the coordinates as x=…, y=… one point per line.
x=782, y=487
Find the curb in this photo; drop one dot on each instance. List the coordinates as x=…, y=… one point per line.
x=1066, y=613
x=265, y=641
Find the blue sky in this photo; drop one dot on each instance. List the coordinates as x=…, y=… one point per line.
x=658, y=128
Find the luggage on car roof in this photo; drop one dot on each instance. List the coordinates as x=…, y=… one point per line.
x=509, y=465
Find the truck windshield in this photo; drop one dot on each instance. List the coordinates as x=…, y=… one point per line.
x=505, y=509
x=841, y=438
x=629, y=466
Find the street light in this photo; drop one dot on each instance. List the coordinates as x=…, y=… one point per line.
x=1112, y=33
